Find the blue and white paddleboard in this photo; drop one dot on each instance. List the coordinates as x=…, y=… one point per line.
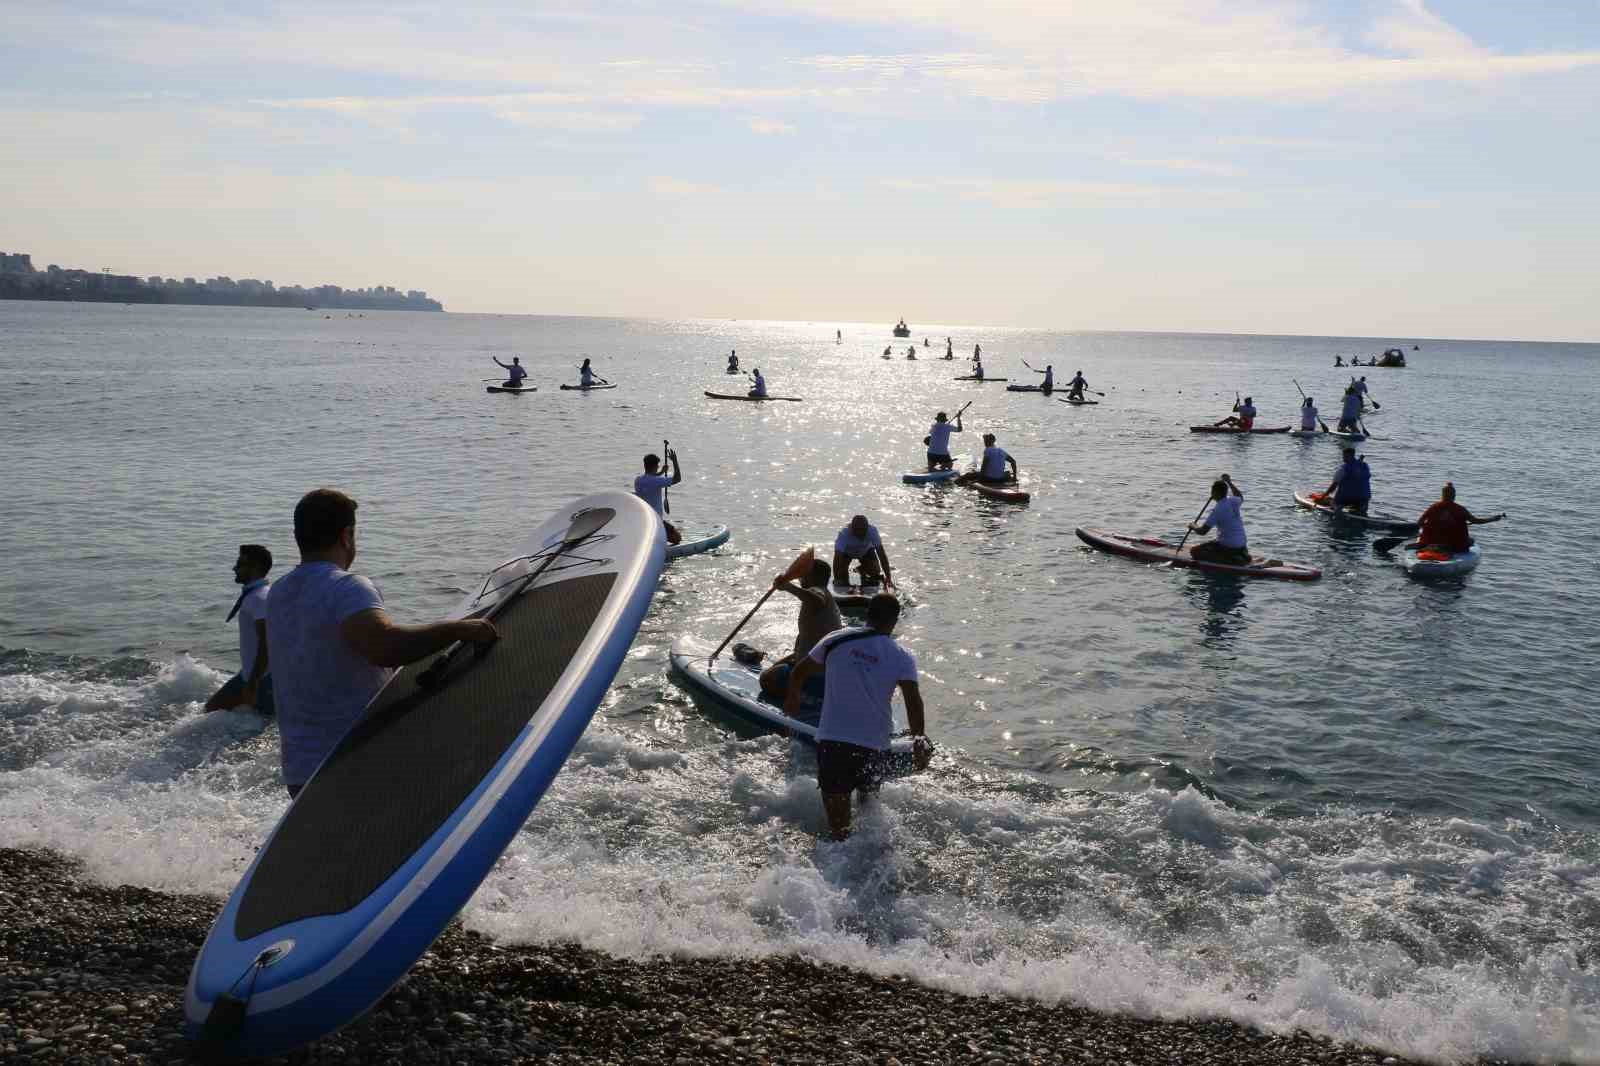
x=405, y=818
x=927, y=477
x=697, y=542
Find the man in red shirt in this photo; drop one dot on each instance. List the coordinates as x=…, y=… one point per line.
x=1444, y=525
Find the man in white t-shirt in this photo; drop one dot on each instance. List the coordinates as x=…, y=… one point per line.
x=1230, y=545
x=938, y=441
x=997, y=467
x=862, y=668
x=650, y=486
x=860, y=543
x=333, y=645
x=252, y=685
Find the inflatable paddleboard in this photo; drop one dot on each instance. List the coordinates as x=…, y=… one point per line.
x=508, y=388
x=753, y=399
x=585, y=388
x=1315, y=501
x=1334, y=434
x=1031, y=388
x=1155, y=551
x=1436, y=563
x=969, y=377
x=1236, y=429
x=408, y=813
x=925, y=477
x=1081, y=403
x=735, y=690
x=695, y=543
x=1008, y=493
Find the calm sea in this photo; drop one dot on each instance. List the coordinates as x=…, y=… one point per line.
x=1365, y=806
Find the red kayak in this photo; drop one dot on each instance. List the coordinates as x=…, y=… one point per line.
x=1236, y=429
x=1156, y=551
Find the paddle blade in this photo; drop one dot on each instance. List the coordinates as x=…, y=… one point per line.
x=801, y=565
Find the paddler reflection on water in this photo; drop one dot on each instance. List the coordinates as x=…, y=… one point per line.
x=819, y=616
x=862, y=668
x=860, y=543
x=1230, y=545
x=648, y=487
x=333, y=644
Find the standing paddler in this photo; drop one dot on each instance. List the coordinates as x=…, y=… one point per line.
x=938, y=441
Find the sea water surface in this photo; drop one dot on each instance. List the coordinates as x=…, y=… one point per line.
x=1365, y=806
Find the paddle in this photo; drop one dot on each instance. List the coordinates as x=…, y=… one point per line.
x=1190, y=529
x=797, y=569
x=666, y=498
x=1320, y=422
x=585, y=526
x=1385, y=545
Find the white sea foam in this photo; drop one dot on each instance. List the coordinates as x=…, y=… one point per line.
x=1444, y=939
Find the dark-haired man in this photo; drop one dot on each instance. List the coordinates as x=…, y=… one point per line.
x=862, y=668
x=334, y=646
x=860, y=543
x=252, y=685
x=650, y=485
x=819, y=616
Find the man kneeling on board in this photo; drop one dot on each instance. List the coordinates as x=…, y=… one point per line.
x=860, y=543
x=992, y=471
x=819, y=616
x=1230, y=546
x=1444, y=524
x=1351, y=487
x=334, y=646
x=862, y=668
x=252, y=685
x=648, y=487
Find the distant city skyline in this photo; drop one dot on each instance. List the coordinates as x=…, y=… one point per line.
x=1382, y=168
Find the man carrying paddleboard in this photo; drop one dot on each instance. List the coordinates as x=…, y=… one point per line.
x=649, y=485
x=514, y=371
x=252, y=685
x=1230, y=545
x=333, y=644
x=860, y=543
x=938, y=441
x=1351, y=487
x=1244, y=414
x=759, y=387
x=992, y=469
x=1444, y=524
x=819, y=616
x=862, y=668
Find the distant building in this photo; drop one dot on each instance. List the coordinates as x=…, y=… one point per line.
x=16, y=263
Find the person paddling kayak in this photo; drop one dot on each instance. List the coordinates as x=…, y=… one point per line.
x=1350, y=413
x=860, y=543
x=648, y=485
x=819, y=616
x=938, y=441
x=1244, y=414
x=759, y=384
x=1444, y=524
x=514, y=372
x=733, y=361
x=1308, y=416
x=1230, y=545
x=1351, y=487
x=1076, y=386
x=992, y=470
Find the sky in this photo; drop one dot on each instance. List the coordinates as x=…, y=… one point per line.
x=1394, y=168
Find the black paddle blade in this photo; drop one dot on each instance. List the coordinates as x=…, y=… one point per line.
x=1385, y=545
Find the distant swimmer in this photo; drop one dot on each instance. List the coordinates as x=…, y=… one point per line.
x=1230, y=545
x=924, y=342
x=838, y=336
x=1337, y=361
x=1350, y=412
x=1309, y=419
x=993, y=469
x=1244, y=414
x=333, y=644
x=758, y=384
x=819, y=616
x=938, y=441
x=1076, y=386
x=514, y=372
x=860, y=543
x=1351, y=487
x=886, y=349
x=252, y=685
x=650, y=485
x=862, y=669
x=1444, y=524
x=733, y=362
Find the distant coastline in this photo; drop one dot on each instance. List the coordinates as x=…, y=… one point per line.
x=20, y=281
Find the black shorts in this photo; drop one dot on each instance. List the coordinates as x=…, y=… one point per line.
x=940, y=460
x=843, y=768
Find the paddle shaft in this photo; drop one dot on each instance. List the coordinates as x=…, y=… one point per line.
x=742, y=621
x=666, y=493
x=1190, y=527
x=1303, y=396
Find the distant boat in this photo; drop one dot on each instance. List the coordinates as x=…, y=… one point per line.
x=902, y=330
x=1394, y=358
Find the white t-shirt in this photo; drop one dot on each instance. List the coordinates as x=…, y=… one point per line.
x=648, y=488
x=321, y=683
x=939, y=437
x=1360, y=387
x=861, y=679
x=252, y=609
x=1226, y=519
x=994, y=463
x=1247, y=410
x=851, y=546
x=1308, y=417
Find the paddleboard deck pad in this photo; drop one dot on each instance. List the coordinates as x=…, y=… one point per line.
x=735, y=690
x=408, y=813
x=1155, y=551
x=1393, y=523
x=508, y=388
x=695, y=543
x=753, y=399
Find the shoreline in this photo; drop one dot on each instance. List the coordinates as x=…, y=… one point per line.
x=90, y=973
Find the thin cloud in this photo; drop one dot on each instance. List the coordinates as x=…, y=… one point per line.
x=678, y=189
x=769, y=126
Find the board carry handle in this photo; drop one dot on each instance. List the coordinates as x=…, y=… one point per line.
x=584, y=525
